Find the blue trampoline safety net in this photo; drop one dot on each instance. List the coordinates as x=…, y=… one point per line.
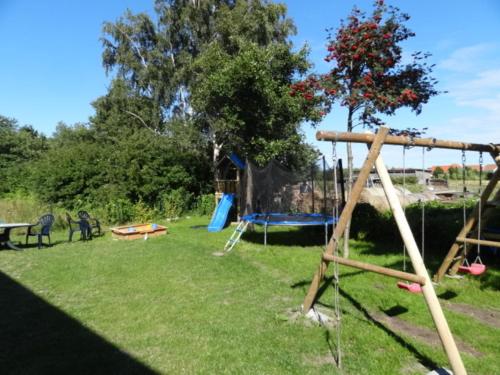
x=300, y=219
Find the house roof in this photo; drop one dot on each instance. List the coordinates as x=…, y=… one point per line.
x=486, y=168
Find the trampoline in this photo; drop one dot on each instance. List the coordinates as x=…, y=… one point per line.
x=282, y=219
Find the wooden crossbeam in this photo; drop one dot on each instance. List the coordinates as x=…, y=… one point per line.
x=405, y=141
x=377, y=269
x=475, y=241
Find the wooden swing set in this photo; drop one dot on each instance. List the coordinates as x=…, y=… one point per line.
x=420, y=277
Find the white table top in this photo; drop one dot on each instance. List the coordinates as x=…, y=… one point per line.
x=15, y=225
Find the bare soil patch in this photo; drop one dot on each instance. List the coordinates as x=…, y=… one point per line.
x=423, y=334
x=318, y=361
x=487, y=316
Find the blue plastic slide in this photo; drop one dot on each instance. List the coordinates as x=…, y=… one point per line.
x=221, y=211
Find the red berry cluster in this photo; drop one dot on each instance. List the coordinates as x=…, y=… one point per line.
x=365, y=54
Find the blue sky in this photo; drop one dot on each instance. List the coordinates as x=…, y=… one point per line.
x=50, y=64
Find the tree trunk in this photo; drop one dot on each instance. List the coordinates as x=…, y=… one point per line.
x=215, y=156
x=349, y=183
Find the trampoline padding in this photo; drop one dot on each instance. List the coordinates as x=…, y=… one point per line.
x=282, y=219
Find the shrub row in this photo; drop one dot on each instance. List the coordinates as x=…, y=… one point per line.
x=171, y=206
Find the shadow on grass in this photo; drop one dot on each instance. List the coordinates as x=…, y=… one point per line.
x=490, y=281
x=38, y=338
x=284, y=236
x=447, y=295
x=395, y=310
x=424, y=360
x=34, y=245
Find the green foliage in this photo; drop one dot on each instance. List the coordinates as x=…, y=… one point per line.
x=119, y=211
x=368, y=223
x=107, y=160
x=455, y=173
x=224, y=65
x=243, y=100
x=410, y=180
x=438, y=172
x=175, y=202
x=19, y=147
x=17, y=207
x=204, y=204
x=368, y=75
x=70, y=171
x=442, y=223
x=143, y=213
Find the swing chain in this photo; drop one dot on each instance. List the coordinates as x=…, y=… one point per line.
x=480, y=207
x=336, y=278
x=480, y=170
x=335, y=166
x=464, y=160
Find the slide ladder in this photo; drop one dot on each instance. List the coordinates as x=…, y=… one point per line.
x=235, y=237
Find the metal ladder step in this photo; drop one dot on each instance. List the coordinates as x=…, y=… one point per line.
x=235, y=236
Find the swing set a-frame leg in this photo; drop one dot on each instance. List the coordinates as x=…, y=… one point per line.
x=345, y=216
x=428, y=291
x=452, y=261
x=405, y=230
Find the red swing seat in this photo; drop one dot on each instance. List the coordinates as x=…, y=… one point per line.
x=411, y=287
x=474, y=269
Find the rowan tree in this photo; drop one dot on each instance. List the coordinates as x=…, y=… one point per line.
x=368, y=75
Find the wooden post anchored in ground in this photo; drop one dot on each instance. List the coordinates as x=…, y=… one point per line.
x=357, y=188
x=429, y=293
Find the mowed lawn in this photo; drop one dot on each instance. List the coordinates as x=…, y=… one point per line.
x=167, y=305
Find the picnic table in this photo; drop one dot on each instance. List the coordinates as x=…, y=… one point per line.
x=7, y=228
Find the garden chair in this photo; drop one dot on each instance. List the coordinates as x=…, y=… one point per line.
x=81, y=226
x=92, y=221
x=41, y=228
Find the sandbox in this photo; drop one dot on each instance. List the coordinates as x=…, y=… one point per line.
x=136, y=231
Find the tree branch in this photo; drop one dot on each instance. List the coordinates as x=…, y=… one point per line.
x=143, y=60
x=155, y=131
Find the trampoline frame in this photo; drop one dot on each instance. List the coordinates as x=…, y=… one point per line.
x=322, y=220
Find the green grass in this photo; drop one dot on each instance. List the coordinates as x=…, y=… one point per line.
x=167, y=305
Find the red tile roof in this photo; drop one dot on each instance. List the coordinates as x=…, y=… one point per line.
x=445, y=168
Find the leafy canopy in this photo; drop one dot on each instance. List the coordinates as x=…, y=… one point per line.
x=240, y=85
x=368, y=74
x=224, y=66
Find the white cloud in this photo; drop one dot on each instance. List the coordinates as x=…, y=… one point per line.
x=473, y=80
x=466, y=59
x=483, y=84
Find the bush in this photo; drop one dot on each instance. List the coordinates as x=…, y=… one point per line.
x=442, y=223
x=24, y=208
x=143, y=213
x=175, y=202
x=409, y=180
x=205, y=204
x=119, y=211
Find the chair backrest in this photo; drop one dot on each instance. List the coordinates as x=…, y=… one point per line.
x=46, y=222
x=83, y=215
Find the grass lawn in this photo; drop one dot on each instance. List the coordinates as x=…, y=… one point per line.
x=166, y=305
